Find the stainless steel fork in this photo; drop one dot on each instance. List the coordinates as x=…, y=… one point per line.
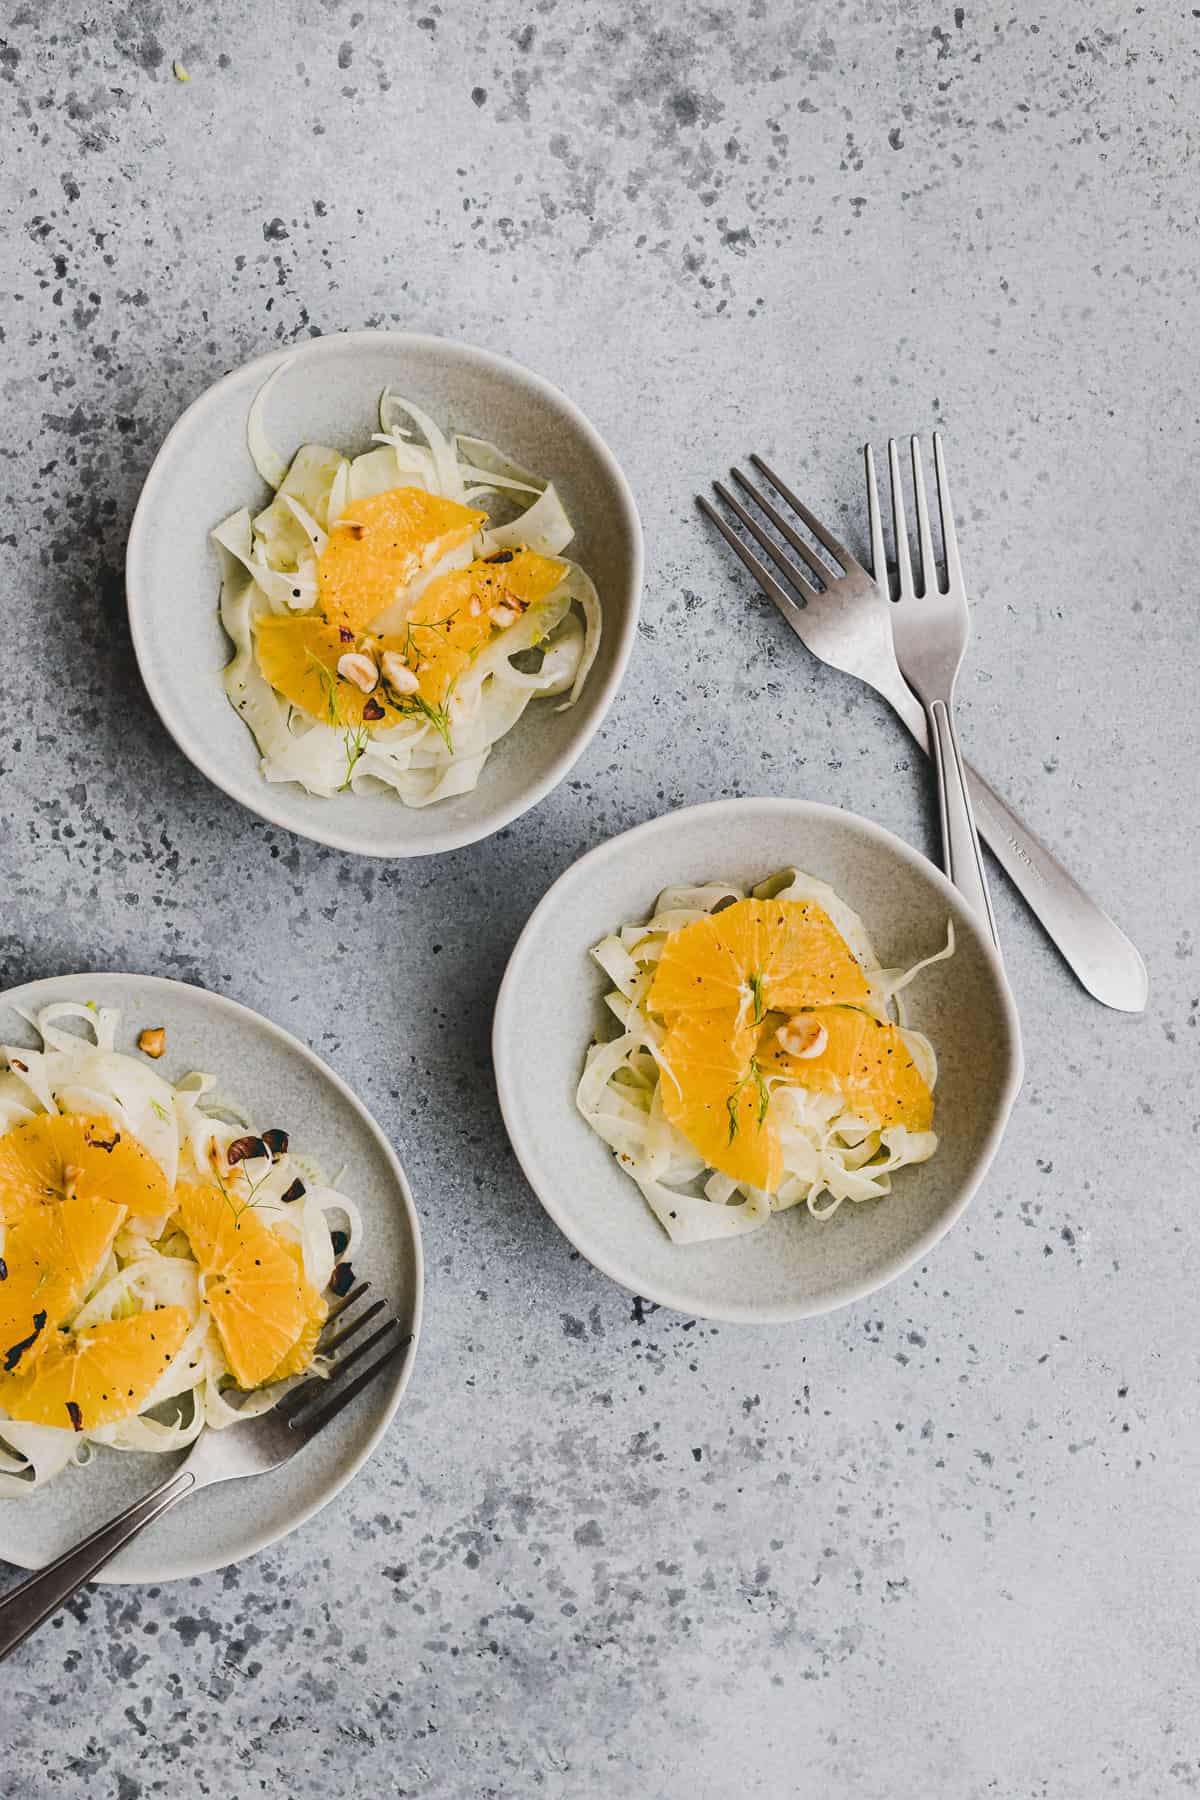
x=251, y=1448
x=930, y=628
x=842, y=615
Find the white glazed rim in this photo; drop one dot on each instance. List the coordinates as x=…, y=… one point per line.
x=845, y=1294
x=138, y=601
x=200, y=1565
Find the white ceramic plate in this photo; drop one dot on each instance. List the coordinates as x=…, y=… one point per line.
x=329, y=393
x=265, y=1071
x=550, y=1003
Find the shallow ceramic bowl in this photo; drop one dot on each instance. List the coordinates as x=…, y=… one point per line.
x=550, y=1004
x=277, y=1081
x=329, y=393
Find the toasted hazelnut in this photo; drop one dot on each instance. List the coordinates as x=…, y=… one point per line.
x=802, y=1036
x=397, y=673
x=153, y=1041
x=358, y=669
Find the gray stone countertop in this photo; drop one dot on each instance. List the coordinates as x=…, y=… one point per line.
x=942, y=1543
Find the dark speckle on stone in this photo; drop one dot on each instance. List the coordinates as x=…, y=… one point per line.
x=345, y=55
x=274, y=231
x=479, y=95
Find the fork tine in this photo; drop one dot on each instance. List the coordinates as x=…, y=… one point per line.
x=930, y=584
x=821, y=532
x=954, y=577
x=341, y=1397
x=766, y=581
x=768, y=542
x=293, y=1404
x=329, y=1345
x=819, y=568
x=900, y=524
x=879, y=568
x=347, y=1301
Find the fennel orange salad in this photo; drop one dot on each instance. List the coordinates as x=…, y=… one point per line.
x=156, y=1252
x=756, y=1064
x=393, y=613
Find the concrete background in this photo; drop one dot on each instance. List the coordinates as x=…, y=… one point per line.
x=944, y=1543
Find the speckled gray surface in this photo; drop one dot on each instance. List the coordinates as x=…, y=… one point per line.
x=944, y=1543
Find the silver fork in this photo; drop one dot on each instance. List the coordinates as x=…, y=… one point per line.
x=930, y=628
x=251, y=1448
x=843, y=617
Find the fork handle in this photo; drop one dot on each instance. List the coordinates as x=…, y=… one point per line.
x=1093, y=945
x=31, y=1604
x=960, y=840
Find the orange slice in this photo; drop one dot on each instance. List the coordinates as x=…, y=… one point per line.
x=378, y=546
x=299, y=657
x=444, y=631
x=315, y=1314
x=754, y=957
x=99, y=1375
x=864, y=1059
x=252, y=1286
x=52, y=1253
x=716, y=1097
x=450, y=623
x=55, y=1154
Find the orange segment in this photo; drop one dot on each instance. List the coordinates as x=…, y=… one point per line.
x=51, y=1256
x=99, y=1375
x=450, y=623
x=378, y=546
x=864, y=1059
x=47, y=1157
x=756, y=956
x=315, y=1313
x=252, y=1286
x=299, y=657
x=717, y=1100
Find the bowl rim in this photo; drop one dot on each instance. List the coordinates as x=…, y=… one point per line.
x=138, y=602
x=208, y=997
x=737, y=1312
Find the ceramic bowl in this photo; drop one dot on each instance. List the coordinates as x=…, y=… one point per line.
x=550, y=1004
x=329, y=393
x=276, y=1080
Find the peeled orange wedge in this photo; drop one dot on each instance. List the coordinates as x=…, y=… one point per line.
x=864, y=1059
x=715, y=1095
x=452, y=619
x=755, y=957
x=253, y=1287
x=99, y=1375
x=55, y=1154
x=379, y=544
x=315, y=1313
x=52, y=1253
x=299, y=657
